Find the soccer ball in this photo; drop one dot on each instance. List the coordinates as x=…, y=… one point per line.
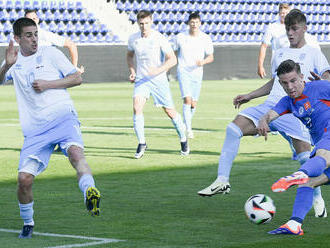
x=260, y=209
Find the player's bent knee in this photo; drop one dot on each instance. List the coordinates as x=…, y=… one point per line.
x=25, y=180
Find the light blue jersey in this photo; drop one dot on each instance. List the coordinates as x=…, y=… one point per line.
x=38, y=109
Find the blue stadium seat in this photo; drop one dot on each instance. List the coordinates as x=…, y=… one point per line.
x=100, y=38
x=35, y=5
x=53, y=6
x=79, y=7
x=70, y=6
x=104, y=29
x=49, y=16
x=4, y=16
x=87, y=28
x=13, y=16
x=2, y=5
x=70, y=28
x=91, y=38
x=52, y=27
x=62, y=6
x=78, y=28
x=108, y=38
x=74, y=38
x=91, y=18
x=83, y=38
x=58, y=17
x=43, y=25
x=7, y=28
x=74, y=17
x=9, y=6
x=18, y=6
x=44, y=6
x=61, y=28
x=83, y=17
x=66, y=17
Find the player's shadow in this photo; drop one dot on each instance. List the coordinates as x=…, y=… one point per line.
x=104, y=133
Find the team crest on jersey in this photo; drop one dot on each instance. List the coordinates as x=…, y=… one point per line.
x=307, y=105
x=301, y=110
x=280, y=55
x=18, y=66
x=302, y=56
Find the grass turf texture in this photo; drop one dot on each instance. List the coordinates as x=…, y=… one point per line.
x=153, y=202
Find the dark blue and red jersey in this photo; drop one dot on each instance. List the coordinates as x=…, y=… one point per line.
x=312, y=108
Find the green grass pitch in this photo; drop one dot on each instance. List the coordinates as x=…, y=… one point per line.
x=153, y=202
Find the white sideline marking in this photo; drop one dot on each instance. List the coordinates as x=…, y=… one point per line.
x=110, y=128
x=97, y=241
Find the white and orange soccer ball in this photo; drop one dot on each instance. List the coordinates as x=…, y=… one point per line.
x=260, y=209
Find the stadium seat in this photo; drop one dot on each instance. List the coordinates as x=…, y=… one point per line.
x=62, y=6
x=18, y=6
x=87, y=29
x=53, y=6
x=78, y=28
x=13, y=16
x=52, y=27
x=9, y=6
x=44, y=6
x=100, y=38
x=7, y=28
x=58, y=17
x=83, y=38
x=70, y=6
x=79, y=6
x=70, y=28
x=61, y=28
x=91, y=38
x=2, y=5
x=91, y=18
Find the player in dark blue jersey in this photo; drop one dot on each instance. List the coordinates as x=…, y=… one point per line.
x=310, y=102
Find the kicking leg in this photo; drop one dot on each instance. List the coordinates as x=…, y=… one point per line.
x=86, y=182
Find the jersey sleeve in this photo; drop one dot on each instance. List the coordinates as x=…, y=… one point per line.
x=54, y=39
x=165, y=46
x=283, y=106
x=274, y=63
x=321, y=63
x=267, y=38
x=60, y=62
x=208, y=46
x=175, y=44
x=130, y=43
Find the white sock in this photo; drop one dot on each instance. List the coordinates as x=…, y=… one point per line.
x=229, y=150
x=85, y=182
x=26, y=213
x=193, y=110
x=179, y=127
x=187, y=115
x=138, y=123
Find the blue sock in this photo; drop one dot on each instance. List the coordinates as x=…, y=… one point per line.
x=26, y=213
x=186, y=110
x=302, y=204
x=314, y=166
x=179, y=127
x=138, y=123
x=229, y=150
x=85, y=182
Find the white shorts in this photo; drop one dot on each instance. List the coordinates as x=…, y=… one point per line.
x=160, y=92
x=286, y=124
x=37, y=149
x=190, y=84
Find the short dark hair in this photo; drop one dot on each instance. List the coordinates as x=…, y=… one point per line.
x=293, y=17
x=143, y=14
x=194, y=15
x=20, y=23
x=288, y=66
x=28, y=11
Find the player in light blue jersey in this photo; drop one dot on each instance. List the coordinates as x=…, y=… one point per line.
x=47, y=38
x=310, y=102
x=291, y=128
x=194, y=49
x=47, y=115
x=154, y=57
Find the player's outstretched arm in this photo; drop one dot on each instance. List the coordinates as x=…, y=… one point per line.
x=73, y=50
x=69, y=81
x=263, y=125
x=11, y=57
x=262, y=91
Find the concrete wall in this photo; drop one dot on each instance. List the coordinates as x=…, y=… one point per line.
x=108, y=63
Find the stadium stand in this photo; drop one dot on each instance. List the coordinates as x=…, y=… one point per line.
x=229, y=20
x=67, y=18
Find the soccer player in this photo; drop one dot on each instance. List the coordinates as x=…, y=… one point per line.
x=245, y=123
x=275, y=36
x=154, y=56
x=310, y=102
x=47, y=115
x=195, y=49
x=47, y=38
